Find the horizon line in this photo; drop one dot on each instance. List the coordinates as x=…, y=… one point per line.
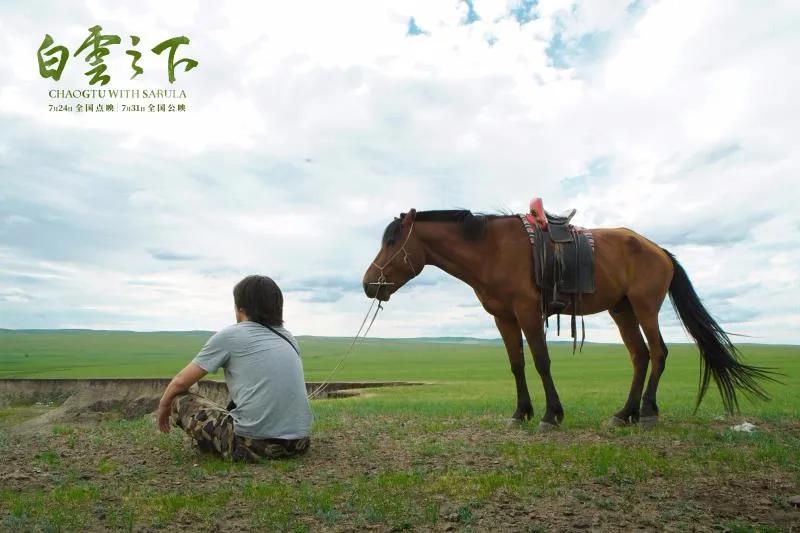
x=423, y=338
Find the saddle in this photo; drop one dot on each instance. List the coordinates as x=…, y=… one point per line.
x=563, y=259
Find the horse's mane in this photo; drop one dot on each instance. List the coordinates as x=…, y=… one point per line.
x=473, y=225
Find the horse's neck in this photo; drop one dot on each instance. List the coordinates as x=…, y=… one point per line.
x=446, y=249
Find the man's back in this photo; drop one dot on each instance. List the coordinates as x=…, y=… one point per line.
x=265, y=379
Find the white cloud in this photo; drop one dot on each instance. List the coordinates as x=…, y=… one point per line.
x=310, y=126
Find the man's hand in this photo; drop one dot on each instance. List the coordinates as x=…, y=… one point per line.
x=162, y=419
x=187, y=377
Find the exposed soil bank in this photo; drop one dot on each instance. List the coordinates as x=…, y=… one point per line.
x=49, y=390
x=88, y=399
x=21, y=391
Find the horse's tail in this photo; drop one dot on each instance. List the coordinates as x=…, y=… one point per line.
x=719, y=358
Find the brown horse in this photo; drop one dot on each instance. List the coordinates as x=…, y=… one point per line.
x=492, y=254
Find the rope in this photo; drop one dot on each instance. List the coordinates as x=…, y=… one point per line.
x=316, y=392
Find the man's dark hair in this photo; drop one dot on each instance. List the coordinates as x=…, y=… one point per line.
x=261, y=298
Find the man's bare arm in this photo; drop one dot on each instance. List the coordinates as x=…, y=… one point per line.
x=181, y=383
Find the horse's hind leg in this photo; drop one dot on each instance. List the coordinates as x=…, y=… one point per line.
x=512, y=338
x=647, y=314
x=628, y=326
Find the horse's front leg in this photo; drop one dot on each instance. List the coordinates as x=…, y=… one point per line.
x=533, y=327
x=512, y=338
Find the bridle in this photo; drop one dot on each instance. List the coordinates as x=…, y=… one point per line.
x=382, y=277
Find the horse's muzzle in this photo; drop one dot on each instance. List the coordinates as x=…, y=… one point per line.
x=376, y=290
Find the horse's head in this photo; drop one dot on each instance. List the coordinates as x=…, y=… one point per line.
x=400, y=258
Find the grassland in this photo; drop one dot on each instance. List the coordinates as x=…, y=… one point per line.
x=438, y=456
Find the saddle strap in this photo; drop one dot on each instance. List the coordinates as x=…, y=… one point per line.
x=539, y=251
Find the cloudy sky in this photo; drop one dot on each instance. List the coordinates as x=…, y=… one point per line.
x=310, y=125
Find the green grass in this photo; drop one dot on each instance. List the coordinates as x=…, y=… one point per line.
x=409, y=457
x=475, y=376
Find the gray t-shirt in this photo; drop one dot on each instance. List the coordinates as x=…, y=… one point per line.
x=265, y=380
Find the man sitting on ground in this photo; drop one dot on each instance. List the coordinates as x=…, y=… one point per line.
x=269, y=415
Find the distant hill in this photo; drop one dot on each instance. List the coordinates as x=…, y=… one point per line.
x=432, y=340
x=441, y=340
x=76, y=330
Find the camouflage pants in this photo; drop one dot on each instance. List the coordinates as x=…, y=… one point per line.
x=211, y=427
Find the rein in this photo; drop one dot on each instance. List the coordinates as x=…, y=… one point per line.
x=380, y=283
x=316, y=392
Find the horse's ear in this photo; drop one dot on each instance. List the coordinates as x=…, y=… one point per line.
x=410, y=217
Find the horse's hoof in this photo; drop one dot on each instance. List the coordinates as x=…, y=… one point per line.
x=617, y=422
x=648, y=422
x=545, y=427
x=514, y=422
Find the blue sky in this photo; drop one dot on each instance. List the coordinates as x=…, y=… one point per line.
x=306, y=135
